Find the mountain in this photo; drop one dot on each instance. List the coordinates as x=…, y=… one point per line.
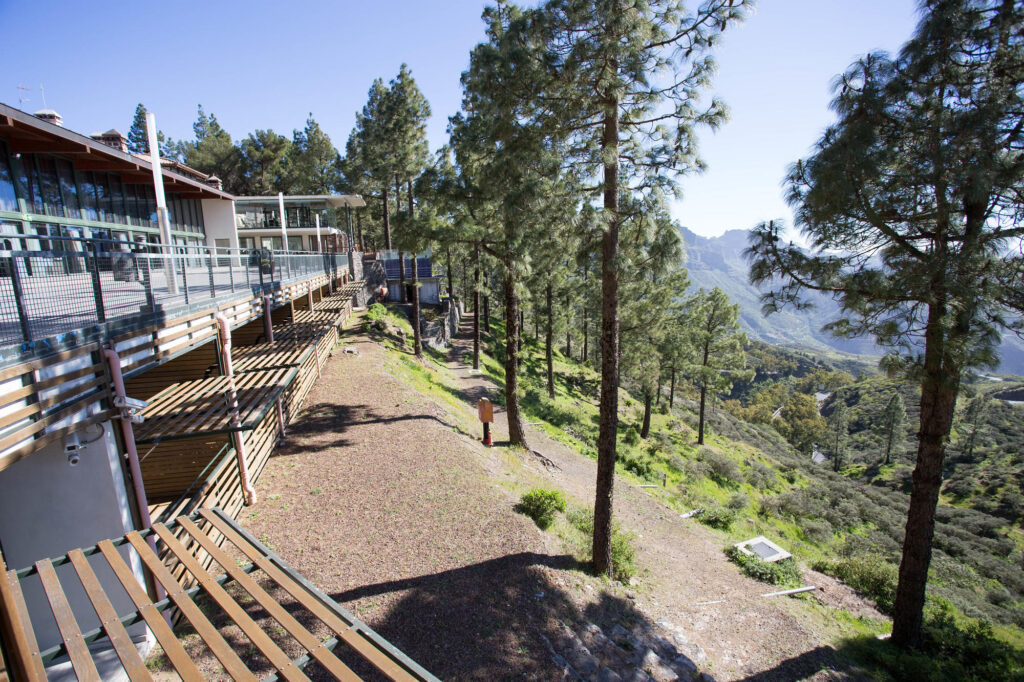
x=718, y=262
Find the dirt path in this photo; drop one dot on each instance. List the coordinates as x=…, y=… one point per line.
x=380, y=502
x=744, y=634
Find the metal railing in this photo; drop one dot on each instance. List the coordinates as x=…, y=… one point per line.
x=82, y=283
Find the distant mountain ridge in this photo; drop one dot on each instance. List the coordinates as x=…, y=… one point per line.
x=718, y=262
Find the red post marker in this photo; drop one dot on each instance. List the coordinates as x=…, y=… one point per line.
x=486, y=411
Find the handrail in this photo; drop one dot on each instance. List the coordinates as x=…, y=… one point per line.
x=83, y=284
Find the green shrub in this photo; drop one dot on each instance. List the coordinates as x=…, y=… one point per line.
x=723, y=468
x=717, y=517
x=541, y=506
x=632, y=436
x=376, y=312
x=623, y=551
x=869, y=574
x=663, y=408
x=952, y=648
x=639, y=464
x=784, y=572
x=737, y=502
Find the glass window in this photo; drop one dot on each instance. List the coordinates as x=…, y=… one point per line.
x=30, y=183
x=150, y=206
x=294, y=243
x=68, y=188
x=8, y=199
x=117, y=200
x=200, y=225
x=87, y=196
x=53, y=203
x=102, y=181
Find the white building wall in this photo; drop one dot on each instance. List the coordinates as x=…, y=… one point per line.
x=48, y=508
x=219, y=219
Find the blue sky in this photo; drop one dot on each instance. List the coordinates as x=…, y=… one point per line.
x=259, y=64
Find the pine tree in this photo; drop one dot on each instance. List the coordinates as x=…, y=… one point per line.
x=212, y=152
x=313, y=164
x=973, y=422
x=838, y=432
x=908, y=205
x=894, y=421
x=622, y=85
x=718, y=343
x=138, y=136
x=263, y=168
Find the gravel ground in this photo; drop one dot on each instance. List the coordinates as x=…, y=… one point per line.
x=379, y=502
x=745, y=635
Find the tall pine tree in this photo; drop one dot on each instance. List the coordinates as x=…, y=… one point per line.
x=909, y=204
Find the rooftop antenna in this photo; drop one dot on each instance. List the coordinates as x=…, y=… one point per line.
x=43, y=93
x=21, y=95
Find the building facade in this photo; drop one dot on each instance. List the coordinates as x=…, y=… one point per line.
x=307, y=218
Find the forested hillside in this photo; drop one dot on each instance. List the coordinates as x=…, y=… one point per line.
x=718, y=262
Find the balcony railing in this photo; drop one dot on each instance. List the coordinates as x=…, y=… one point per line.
x=83, y=283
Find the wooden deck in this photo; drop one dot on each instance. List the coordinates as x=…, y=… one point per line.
x=203, y=407
x=293, y=604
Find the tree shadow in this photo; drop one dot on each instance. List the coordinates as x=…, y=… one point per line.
x=307, y=433
x=488, y=620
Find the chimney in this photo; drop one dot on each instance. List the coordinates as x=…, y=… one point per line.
x=50, y=116
x=112, y=138
x=215, y=182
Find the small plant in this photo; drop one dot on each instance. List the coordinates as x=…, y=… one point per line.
x=869, y=574
x=737, y=502
x=376, y=312
x=632, y=436
x=541, y=506
x=623, y=551
x=784, y=572
x=717, y=517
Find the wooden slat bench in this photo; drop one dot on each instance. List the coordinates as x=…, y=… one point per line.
x=292, y=610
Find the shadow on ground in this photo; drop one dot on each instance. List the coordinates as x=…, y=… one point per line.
x=485, y=621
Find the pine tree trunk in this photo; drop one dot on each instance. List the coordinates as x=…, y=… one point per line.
x=939, y=387
x=609, y=407
x=417, y=337
x=476, y=308
x=401, y=256
x=568, y=328
x=387, y=220
x=516, y=430
x=645, y=429
x=657, y=394
x=672, y=389
x=451, y=284
x=700, y=418
x=703, y=394
x=487, y=307
x=549, y=341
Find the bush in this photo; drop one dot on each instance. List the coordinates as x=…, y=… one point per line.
x=818, y=532
x=695, y=469
x=869, y=574
x=784, y=572
x=737, y=502
x=639, y=464
x=953, y=648
x=761, y=477
x=376, y=312
x=632, y=436
x=723, y=468
x=717, y=517
x=541, y=506
x=623, y=552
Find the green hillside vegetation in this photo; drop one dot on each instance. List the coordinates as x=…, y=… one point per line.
x=750, y=481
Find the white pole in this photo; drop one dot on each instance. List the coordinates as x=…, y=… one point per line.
x=161, y=203
x=319, y=244
x=284, y=219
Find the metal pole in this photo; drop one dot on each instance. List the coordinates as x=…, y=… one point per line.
x=19, y=299
x=97, y=290
x=284, y=220
x=319, y=246
x=161, y=202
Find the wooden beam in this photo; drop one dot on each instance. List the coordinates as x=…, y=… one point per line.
x=101, y=164
x=58, y=147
